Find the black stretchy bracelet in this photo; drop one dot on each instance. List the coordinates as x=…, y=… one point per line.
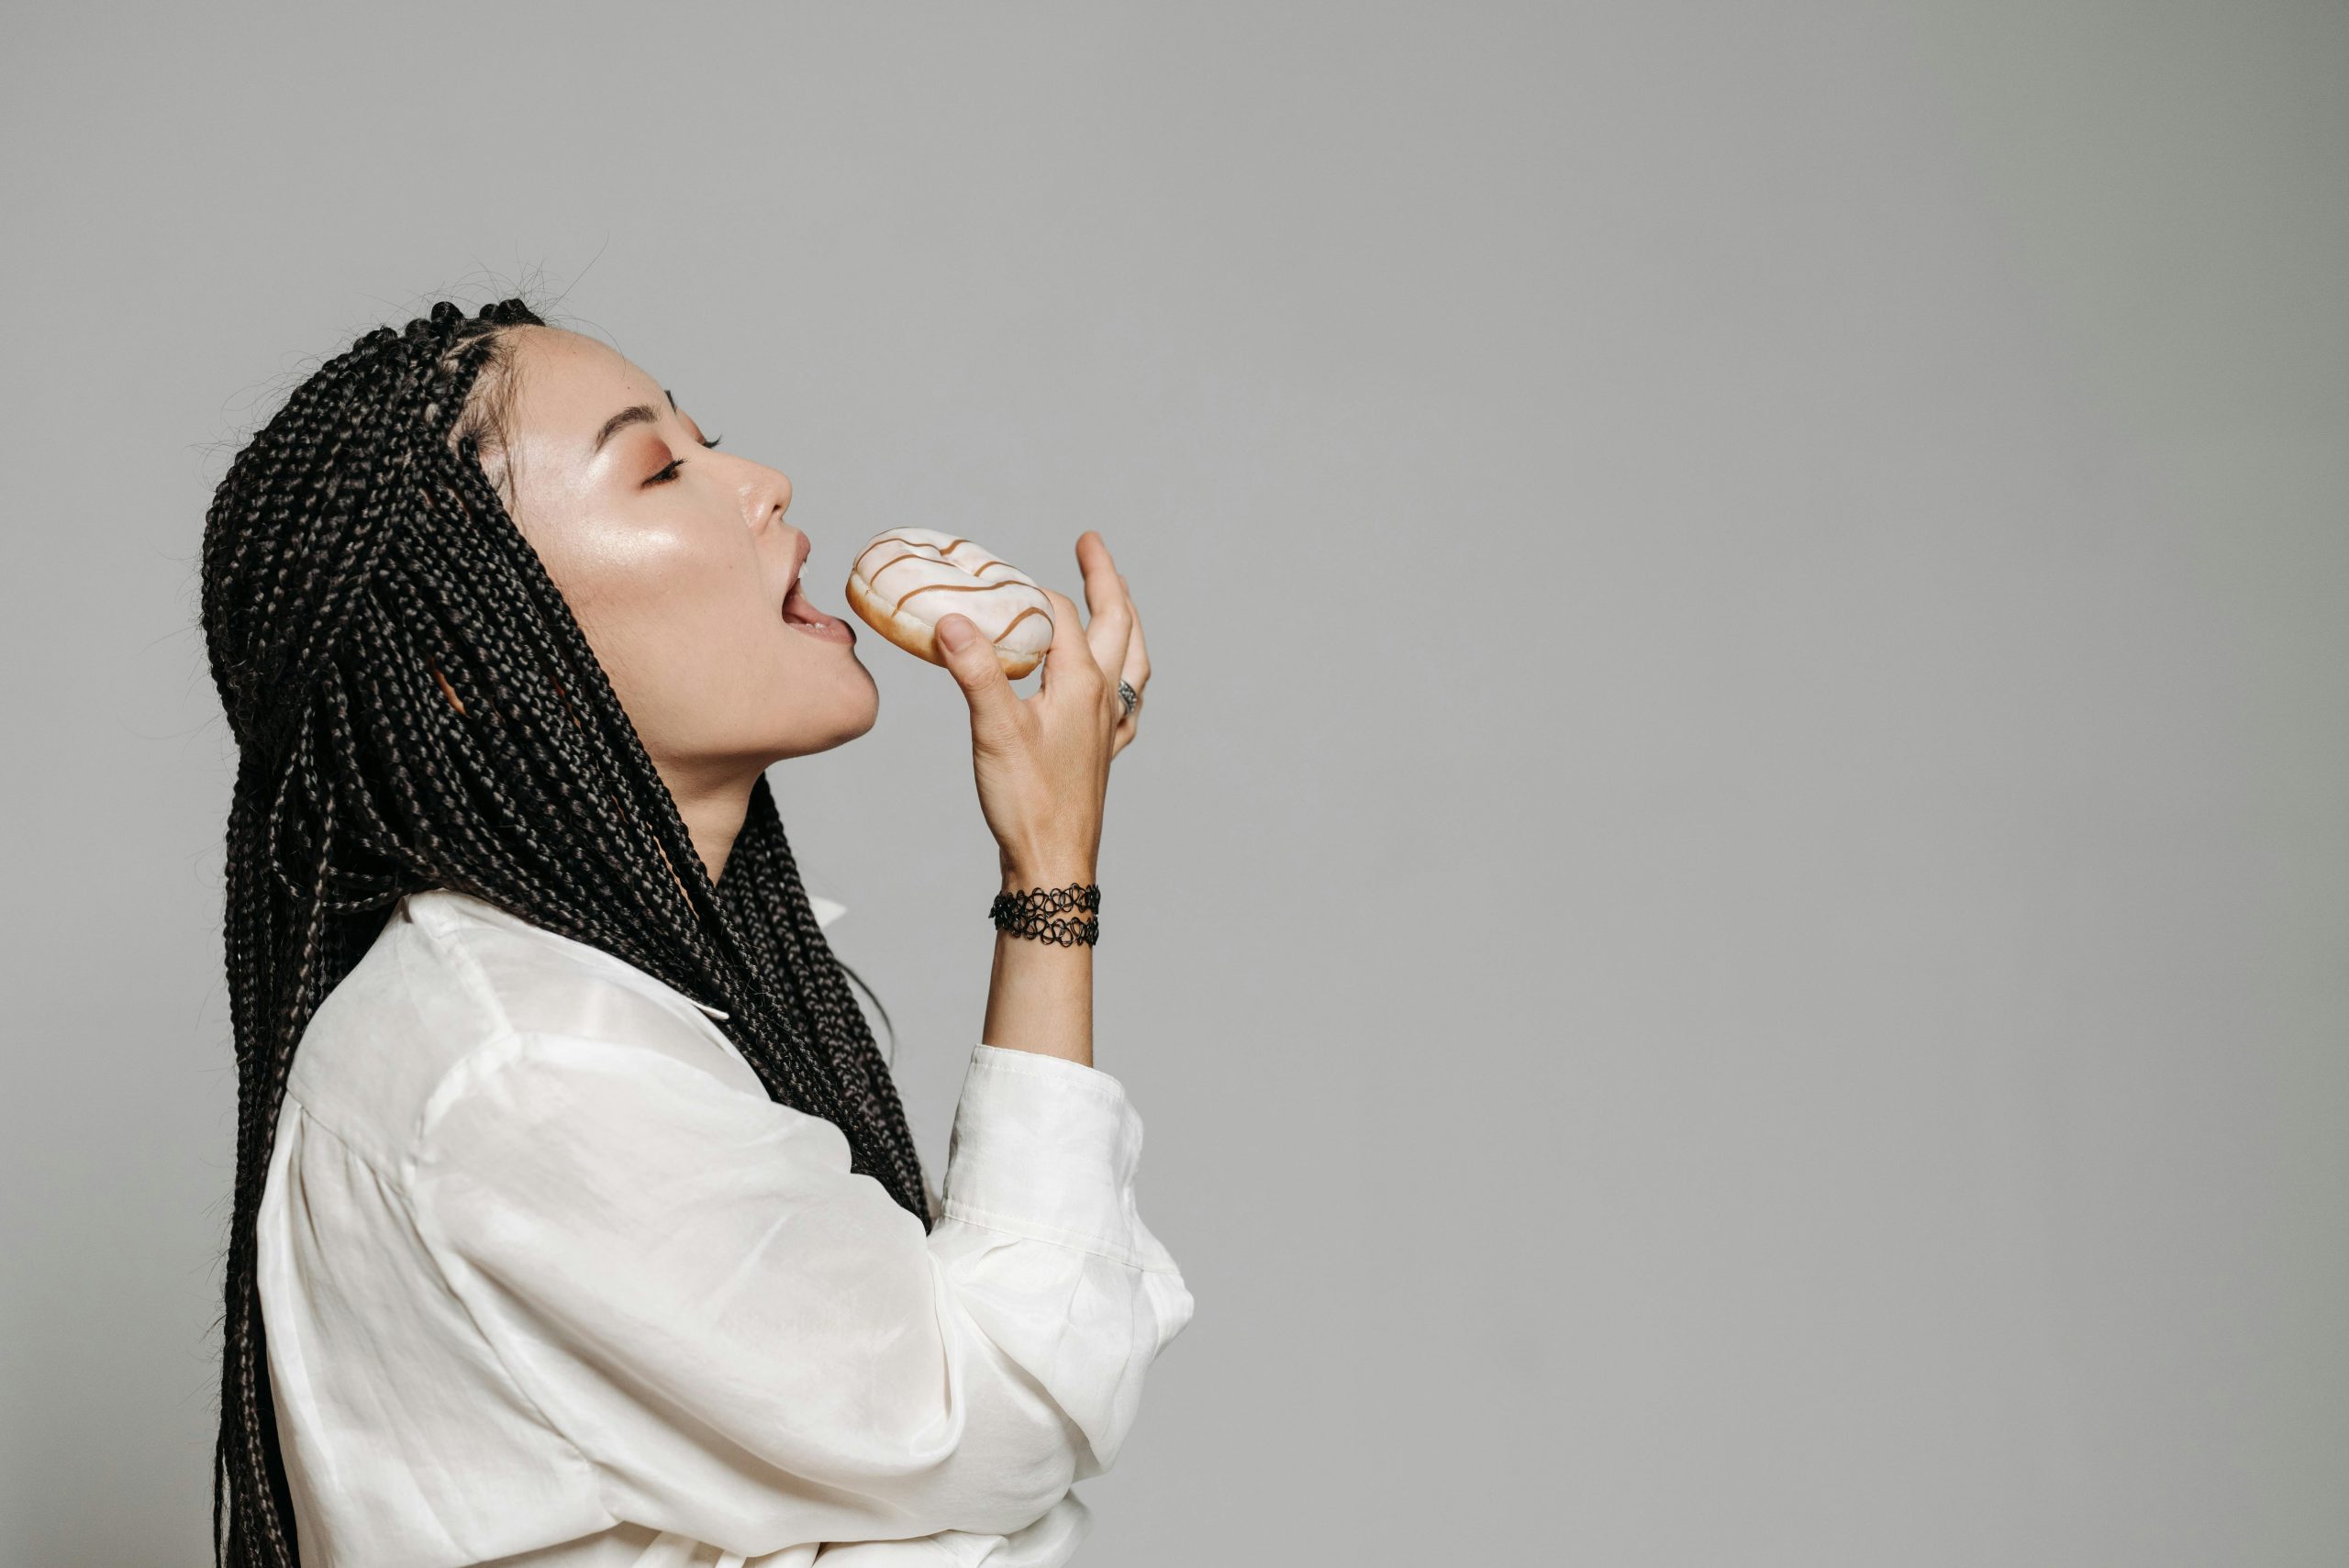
x=1028, y=914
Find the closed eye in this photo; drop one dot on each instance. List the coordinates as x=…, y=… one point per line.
x=670, y=470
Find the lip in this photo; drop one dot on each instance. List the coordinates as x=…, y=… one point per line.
x=798, y=562
x=802, y=615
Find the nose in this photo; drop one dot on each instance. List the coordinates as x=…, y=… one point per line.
x=766, y=495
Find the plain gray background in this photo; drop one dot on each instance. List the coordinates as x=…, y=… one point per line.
x=1731, y=917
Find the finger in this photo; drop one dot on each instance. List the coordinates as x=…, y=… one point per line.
x=1111, y=621
x=1069, y=661
x=1135, y=675
x=1128, y=726
x=1137, y=670
x=978, y=670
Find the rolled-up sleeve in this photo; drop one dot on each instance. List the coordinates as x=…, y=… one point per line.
x=750, y=1344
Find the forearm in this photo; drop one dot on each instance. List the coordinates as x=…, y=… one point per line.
x=1040, y=997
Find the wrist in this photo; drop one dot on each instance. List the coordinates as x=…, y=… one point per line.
x=1057, y=871
x=1062, y=914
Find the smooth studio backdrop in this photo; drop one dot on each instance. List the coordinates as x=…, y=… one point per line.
x=1732, y=915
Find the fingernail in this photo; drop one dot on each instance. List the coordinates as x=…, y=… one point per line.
x=955, y=632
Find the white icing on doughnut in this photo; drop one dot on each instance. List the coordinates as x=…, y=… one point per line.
x=923, y=573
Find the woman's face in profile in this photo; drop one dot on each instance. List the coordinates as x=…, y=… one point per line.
x=676, y=559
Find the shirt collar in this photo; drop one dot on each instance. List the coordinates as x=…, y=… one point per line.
x=825, y=911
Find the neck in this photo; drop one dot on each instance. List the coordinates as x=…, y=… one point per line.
x=714, y=806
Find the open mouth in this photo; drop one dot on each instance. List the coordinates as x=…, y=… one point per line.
x=805, y=616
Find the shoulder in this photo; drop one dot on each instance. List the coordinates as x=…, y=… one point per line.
x=451, y=979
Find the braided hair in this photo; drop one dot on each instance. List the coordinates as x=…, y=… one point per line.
x=415, y=706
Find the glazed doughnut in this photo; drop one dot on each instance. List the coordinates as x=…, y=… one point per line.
x=930, y=574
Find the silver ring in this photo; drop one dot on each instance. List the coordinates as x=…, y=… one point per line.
x=1132, y=698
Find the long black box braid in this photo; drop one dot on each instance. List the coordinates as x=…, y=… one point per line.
x=361, y=579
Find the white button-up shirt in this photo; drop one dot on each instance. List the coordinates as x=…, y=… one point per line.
x=549, y=1279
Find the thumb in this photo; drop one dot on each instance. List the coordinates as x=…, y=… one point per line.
x=979, y=673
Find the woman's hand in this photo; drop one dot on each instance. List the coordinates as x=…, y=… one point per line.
x=1043, y=762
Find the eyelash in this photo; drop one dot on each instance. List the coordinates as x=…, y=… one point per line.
x=670, y=471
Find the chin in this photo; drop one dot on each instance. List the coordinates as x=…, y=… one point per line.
x=838, y=726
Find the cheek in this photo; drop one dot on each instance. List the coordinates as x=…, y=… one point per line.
x=640, y=573
x=673, y=615
x=702, y=662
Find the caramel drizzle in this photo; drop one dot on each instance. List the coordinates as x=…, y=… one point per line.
x=875, y=576
x=871, y=579
x=963, y=588
x=944, y=551
x=1030, y=610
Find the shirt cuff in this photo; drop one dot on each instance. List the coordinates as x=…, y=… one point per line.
x=1048, y=1149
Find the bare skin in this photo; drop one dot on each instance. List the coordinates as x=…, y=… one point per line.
x=676, y=557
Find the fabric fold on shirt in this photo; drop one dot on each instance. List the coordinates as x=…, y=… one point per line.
x=1048, y=1149
x=546, y=1272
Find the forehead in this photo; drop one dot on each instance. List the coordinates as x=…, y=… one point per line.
x=566, y=386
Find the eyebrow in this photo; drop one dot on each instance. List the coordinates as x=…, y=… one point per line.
x=636, y=413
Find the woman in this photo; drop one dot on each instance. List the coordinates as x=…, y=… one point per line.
x=585, y=1225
